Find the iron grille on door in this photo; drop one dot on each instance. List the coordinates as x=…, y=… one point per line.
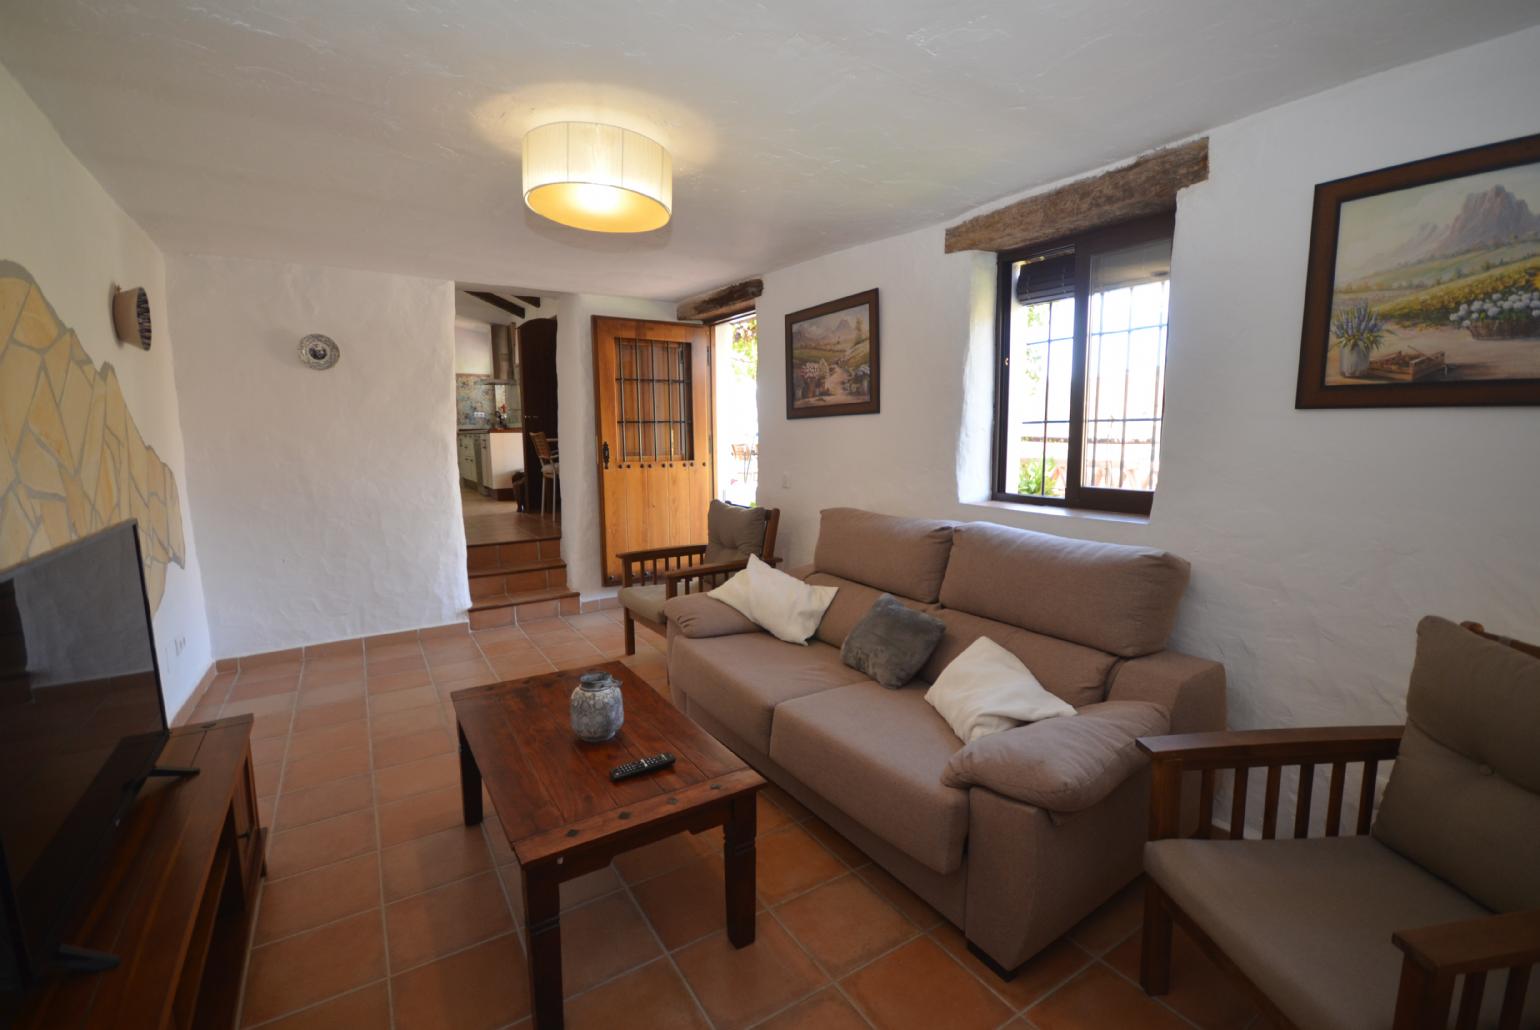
x=653, y=409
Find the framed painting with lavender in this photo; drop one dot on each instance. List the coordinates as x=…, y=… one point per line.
x=831, y=358
x=1424, y=284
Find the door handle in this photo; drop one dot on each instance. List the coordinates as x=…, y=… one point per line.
x=606, y=454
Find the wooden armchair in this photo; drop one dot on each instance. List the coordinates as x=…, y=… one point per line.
x=651, y=577
x=1433, y=956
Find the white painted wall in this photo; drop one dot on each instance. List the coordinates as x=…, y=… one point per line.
x=328, y=502
x=473, y=347
x=58, y=222
x=575, y=400
x=1317, y=537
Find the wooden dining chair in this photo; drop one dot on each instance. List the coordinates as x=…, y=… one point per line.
x=550, y=471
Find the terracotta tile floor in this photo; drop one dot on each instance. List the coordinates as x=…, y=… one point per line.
x=382, y=910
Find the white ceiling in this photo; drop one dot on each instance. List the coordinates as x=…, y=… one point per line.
x=383, y=134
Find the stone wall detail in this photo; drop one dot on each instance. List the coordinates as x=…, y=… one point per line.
x=72, y=461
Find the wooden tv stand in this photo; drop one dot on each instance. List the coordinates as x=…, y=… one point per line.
x=175, y=899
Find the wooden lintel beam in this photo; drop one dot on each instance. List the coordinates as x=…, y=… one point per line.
x=723, y=302
x=1147, y=186
x=516, y=310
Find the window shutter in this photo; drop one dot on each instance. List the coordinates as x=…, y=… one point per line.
x=1051, y=277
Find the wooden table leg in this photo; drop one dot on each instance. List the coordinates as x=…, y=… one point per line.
x=542, y=931
x=738, y=858
x=470, y=781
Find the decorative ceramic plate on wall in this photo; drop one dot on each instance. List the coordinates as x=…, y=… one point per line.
x=319, y=352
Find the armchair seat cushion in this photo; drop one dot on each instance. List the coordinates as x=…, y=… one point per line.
x=1309, y=921
x=644, y=601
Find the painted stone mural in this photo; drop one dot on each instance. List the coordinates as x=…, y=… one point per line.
x=71, y=459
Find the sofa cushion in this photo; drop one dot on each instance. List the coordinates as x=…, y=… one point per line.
x=891, y=642
x=987, y=690
x=1111, y=597
x=907, y=557
x=790, y=608
x=740, y=679
x=1463, y=799
x=1309, y=921
x=645, y=601
x=1075, y=673
x=733, y=532
x=850, y=606
x=1061, y=765
x=877, y=756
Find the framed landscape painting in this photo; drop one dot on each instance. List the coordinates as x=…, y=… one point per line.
x=831, y=358
x=1424, y=284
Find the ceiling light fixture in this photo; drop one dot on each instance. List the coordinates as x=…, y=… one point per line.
x=598, y=177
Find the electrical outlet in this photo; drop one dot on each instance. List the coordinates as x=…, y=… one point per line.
x=180, y=643
x=785, y=481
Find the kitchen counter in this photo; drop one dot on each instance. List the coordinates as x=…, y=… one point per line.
x=489, y=429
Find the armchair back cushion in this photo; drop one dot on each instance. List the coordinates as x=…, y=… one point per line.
x=733, y=533
x=1115, y=598
x=905, y=557
x=1463, y=800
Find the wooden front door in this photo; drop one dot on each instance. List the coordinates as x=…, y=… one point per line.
x=652, y=391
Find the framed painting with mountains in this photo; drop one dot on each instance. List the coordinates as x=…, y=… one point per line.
x=1424, y=284
x=831, y=358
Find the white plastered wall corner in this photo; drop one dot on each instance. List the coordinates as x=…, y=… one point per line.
x=58, y=222
x=330, y=504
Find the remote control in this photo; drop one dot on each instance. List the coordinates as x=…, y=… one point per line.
x=651, y=763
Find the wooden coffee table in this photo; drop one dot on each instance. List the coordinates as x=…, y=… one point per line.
x=564, y=817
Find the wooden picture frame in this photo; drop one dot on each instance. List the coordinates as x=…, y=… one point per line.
x=1404, y=311
x=833, y=355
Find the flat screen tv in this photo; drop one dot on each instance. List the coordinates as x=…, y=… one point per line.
x=82, y=722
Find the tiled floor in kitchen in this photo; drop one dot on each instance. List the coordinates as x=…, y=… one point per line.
x=381, y=909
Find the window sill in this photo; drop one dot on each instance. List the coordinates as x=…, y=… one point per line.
x=1055, y=511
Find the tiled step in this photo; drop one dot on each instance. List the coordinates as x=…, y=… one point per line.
x=524, y=606
x=488, y=557
x=513, y=568
x=519, y=577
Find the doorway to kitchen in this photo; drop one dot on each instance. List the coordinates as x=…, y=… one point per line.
x=508, y=453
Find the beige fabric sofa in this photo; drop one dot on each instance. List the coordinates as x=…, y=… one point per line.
x=1062, y=826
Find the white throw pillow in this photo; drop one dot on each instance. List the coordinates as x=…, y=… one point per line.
x=986, y=689
x=789, y=608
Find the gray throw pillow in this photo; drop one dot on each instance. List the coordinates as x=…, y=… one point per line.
x=891, y=642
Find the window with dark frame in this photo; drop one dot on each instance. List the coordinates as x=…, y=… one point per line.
x=1081, y=368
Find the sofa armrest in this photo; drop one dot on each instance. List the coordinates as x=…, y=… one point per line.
x=1063, y=764
x=1191, y=689
x=700, y=615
